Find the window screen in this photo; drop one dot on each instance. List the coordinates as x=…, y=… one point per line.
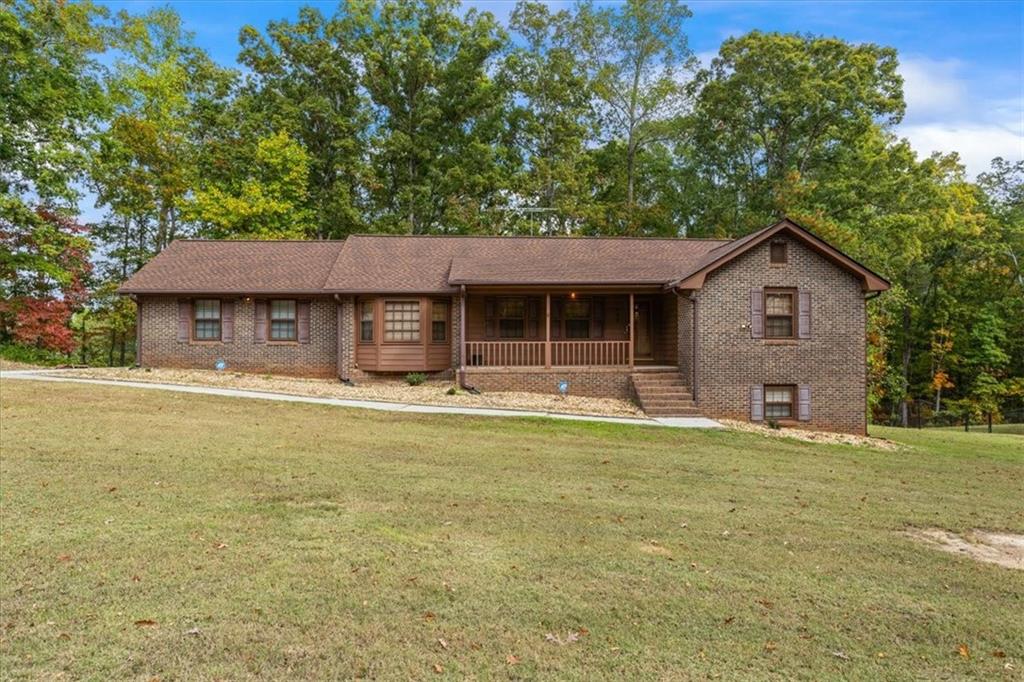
x=283, y=325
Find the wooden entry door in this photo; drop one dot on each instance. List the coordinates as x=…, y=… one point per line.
x=643, y=342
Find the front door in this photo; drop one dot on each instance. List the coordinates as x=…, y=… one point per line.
x=643, y=344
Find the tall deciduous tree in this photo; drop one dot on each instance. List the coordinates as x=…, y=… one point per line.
x=552, y=118
x=304, y=79
x=642, y=62
x=437, y=112
x=147, y=158
x=268, y=202
x=772, y=107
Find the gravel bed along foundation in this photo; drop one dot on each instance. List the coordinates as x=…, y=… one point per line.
x=430, y=393
x=813, y=436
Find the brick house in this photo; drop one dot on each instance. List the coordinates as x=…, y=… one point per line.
x=767, y=327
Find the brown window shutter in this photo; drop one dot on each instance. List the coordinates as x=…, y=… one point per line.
x=184, y=319
x=532, y=317
x=302, y=310
x=804, y=403
x=805, y=315
x=597, y=318
x=227, y=321
x=757, y=313
x=260, y=321
x=756, y=403
x=490, y=325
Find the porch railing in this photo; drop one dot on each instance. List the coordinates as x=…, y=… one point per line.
x=537, y=353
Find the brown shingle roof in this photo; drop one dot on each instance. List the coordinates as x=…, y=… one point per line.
x=253, y=267
x=439, y=264
x=430, y=264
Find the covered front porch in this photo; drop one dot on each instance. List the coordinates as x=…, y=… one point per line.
x=568, y=328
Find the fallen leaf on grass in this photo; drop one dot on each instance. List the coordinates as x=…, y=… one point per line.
x=512, y=659
x=964, y=651
x=769, y=646
x=220, y=545
x=429, y=615
x=192, y=631
x=728, y=620
x=145, y=623
x=64, y=557
x=841, y=654
x=443, y=643
x=438, y=668
x=999, y=653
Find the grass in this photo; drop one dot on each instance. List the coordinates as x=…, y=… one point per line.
x=149, y=534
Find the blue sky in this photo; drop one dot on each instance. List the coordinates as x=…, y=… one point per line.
x=963, y=62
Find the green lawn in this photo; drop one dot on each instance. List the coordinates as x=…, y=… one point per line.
x=149, y=534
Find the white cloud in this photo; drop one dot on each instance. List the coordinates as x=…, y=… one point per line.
x=949, y=109
x=933, y=88
x=977, y=143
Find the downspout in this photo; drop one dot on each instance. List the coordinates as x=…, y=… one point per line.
x=462, y=340
x=695, y=368
x=138, y=329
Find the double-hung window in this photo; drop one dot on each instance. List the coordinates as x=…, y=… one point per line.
x=283, y=321
x=577, y=314
x=366, y=321
x=779, y=318
x=778, y=402
x=439, y=321
x=206, y=320
x=511, y=314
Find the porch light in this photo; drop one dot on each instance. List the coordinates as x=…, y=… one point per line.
x=572, y=294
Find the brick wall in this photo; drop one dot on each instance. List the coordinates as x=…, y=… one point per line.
x=160, y=347
x=595, y=383
x=685, y=344
x=832, y=361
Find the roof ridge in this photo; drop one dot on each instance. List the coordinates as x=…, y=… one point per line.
x=260, y=241
x=543, y=237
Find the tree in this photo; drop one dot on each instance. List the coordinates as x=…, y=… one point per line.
x=772, y=108
x=270, y=201
x=642, y=59
x=304, y=80
x=437, y=112
x=44, y=273
x=552, y=118
x=146, y=160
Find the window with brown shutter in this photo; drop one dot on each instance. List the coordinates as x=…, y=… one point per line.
x=283, y=320
x=510, y=313
x=778, y=402
x=206, y=319
x=779, y=314
x=577, y=314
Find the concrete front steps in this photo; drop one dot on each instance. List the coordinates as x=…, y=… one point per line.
x=663, y=394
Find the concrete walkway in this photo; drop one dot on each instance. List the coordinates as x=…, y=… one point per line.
x=54, y=376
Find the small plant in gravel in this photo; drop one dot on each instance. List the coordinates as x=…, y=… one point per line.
x=415, y=378
x=772, y=424
x=452, y=390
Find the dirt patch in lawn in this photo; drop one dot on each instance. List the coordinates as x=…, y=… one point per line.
x=1004, y=549
x=813, y=436
x=430, y=393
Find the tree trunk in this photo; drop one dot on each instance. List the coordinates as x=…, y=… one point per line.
x=905, y=367
x=110, y=351
x=124, y=344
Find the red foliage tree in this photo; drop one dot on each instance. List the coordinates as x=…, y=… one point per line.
x=44, y=263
